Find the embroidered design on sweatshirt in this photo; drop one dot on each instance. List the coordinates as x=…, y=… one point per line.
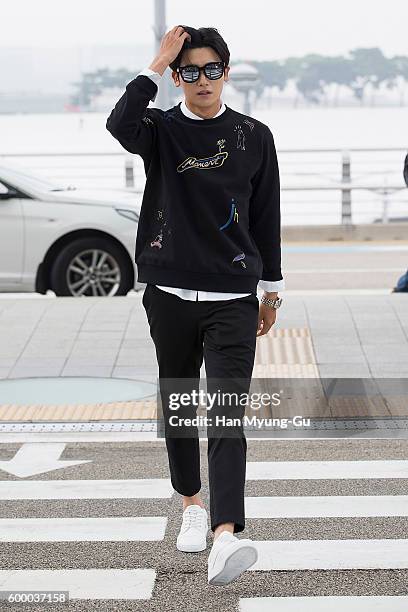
x=157, y=242
x=147, y=120
x=250, y=123
x=239, y=259
x=240, y=137
x=205, y=163
x=233, y=215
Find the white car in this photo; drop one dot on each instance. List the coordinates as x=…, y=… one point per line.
x=75, y=242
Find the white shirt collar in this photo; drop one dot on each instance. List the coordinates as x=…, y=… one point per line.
x=186, y=111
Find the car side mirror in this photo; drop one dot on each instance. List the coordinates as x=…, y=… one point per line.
x=10, y=193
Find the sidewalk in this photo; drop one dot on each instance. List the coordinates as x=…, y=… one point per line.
x=314, y=336
x=339, y=319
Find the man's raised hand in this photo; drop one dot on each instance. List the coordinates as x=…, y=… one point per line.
x=170, y=46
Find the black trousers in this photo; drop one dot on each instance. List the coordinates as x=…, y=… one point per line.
x=223, y=332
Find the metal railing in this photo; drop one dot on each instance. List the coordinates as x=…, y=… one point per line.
x=321, y=170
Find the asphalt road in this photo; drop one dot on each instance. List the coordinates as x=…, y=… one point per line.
x=333, y=265
x=368, y=540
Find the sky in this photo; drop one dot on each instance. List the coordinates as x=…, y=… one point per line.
x=259, y=29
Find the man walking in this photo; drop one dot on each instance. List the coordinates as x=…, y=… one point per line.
x=209, y=231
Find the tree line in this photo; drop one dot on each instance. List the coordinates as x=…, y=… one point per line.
x=311, y=74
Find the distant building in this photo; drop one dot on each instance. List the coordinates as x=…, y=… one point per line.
x=106, y=100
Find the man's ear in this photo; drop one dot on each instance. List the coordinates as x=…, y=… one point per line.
x=226, y=72
x=175, y=77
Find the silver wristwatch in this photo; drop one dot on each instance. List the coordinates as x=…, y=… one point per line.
x=273, y=303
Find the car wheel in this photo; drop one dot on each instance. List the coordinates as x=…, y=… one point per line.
x=91, y=267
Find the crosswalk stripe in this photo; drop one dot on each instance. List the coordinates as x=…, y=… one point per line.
x=83, y=529
x=326, y=505
x=331, y=554
x=83, y=584
x=294, y=470
x=86, y=489
x=273, y=555
x=364, y=603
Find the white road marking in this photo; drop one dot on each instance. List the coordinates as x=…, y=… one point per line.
x=83, y=584
x=312, y=470
x=106, y=529
x=326, y=505
x=86, y=489
x=363, y=603
x=331, y=554
x=36, y=458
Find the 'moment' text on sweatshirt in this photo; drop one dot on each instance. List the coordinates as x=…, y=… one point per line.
x=210, y=215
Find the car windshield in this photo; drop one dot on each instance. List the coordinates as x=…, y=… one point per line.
x=33, y=181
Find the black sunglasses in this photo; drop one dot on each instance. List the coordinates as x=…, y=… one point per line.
x=191, y=73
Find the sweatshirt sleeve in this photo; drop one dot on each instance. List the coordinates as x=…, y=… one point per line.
x=264, y=210
x=131, y=122
x=156, y=77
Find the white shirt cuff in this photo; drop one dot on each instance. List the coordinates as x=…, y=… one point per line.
x=154, y=76
x=278, y=285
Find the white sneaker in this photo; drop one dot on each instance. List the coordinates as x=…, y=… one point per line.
x=229, y=557
x=193, y=530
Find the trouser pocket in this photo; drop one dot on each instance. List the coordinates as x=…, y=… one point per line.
x=145, y=294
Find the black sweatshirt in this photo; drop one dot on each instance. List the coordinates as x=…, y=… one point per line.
x=210, y=215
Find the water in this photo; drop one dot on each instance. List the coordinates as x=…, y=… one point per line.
x=305, y=128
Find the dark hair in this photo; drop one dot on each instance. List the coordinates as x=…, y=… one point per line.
x=203, y=37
